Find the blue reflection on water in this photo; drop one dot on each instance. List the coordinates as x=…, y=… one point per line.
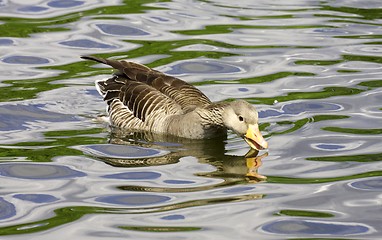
x=14, y=117
x=178, y=181
x=209, y=67
x=134, y=199
x=372, y=184
x=37, y=198
x=25, y=60
x=159, y=19
x=313, y=227
x=32, y=9
x=7, y=209
x=242, y=89
x=119, y=30
x=6, y=42
x=65, y=4
x=269, y=113
x=38, y=171
x=300, y=107
x=173, y=217
x=86, y=43
x=92, y=92
x=330, y=146
x=134, y=175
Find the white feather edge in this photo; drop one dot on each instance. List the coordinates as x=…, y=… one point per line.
x=97, y=86
x=102, y=118
x=106, y=118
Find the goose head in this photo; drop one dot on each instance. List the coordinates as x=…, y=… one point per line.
x=242, y=118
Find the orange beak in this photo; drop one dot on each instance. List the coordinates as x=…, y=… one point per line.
x=254, y=138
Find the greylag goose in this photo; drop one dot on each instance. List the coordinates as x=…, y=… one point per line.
x=140, y=98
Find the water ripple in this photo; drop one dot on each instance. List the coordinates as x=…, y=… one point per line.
x=7, y=209
x=38, y=171
x=32, y=9
x=303, y=107
x=206, y=66
x=6, y=42
x=17, y=117
x=373, y=184
x=311, y=68
x=65, y=4
x=120, y=151
x=36, y=198
x=119, y=30
x=25, y=60
x=86, y=43
x=134, y=199
x=297, y=227
x=134, y=175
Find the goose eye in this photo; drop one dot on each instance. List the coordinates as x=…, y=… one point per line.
x=241, y=118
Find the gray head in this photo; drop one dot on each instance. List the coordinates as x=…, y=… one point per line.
x=242, y=118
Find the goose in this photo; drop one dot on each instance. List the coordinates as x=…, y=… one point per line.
x=143, y=99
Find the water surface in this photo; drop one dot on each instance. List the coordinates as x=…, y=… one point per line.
x=312, y=68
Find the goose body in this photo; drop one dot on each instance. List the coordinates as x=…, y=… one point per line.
x=140, y=98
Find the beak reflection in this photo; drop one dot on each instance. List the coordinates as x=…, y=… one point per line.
x=253, y=164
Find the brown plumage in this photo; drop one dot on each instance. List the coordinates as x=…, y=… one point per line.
x=140, y=98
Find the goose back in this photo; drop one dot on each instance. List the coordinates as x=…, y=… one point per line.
x=184, y=94
x=142, y=98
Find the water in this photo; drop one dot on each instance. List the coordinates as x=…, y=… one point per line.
x=312, y=68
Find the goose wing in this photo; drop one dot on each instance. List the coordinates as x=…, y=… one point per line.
x=182, y=93
x=139, y=100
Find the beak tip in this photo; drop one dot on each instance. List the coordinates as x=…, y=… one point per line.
x=265, y=144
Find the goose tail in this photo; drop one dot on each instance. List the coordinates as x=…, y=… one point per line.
x=96, y=59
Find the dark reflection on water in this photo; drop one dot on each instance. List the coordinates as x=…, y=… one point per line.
x=211, y=151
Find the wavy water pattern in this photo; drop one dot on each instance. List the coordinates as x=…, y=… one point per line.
x=312, y=68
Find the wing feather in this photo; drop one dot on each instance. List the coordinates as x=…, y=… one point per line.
x=182, y=93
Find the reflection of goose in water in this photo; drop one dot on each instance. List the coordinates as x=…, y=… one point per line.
x=143, y=99
x=209, y=151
